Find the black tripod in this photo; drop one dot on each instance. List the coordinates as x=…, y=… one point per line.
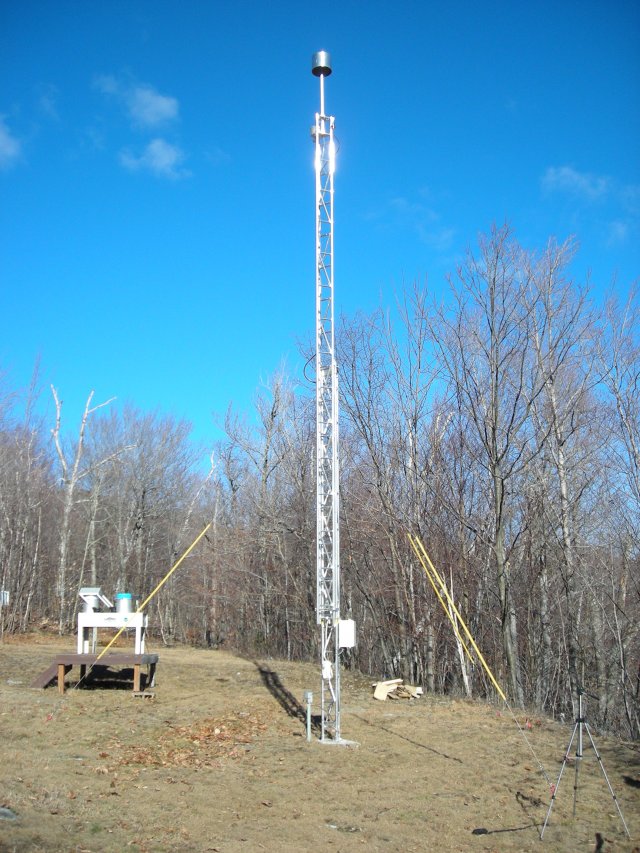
x=581, y=723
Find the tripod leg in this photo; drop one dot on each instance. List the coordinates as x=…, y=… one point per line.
x=557, y=785
x=578, y=762
x=575, y=783
x=604, y=773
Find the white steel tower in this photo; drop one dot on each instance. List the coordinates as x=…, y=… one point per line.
x=327, y=470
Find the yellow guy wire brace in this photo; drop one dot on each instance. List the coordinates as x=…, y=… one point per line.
x=431, y=572
x=440, y=599
x=150, y=596
x=433, y=575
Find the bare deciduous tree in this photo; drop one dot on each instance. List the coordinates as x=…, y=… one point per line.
x=485, y=347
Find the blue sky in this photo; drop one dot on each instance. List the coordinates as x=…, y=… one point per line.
x=157, y=187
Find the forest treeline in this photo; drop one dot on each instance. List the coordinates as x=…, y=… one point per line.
x=501, y=425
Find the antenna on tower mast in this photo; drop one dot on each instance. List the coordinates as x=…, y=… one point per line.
x=334, y=632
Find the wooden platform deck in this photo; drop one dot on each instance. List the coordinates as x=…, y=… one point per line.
x=62, y=664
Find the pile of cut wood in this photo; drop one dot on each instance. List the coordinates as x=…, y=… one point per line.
x=395, y=689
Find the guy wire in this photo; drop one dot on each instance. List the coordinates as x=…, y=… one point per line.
x=431, y=573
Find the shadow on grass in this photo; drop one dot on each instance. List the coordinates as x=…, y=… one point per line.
x=285, y=698
x=102, y=678
x=482, y=831
x=409, y=740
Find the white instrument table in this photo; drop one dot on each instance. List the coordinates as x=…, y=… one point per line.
x=96, y=619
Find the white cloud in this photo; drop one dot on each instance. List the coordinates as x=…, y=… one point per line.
x=617, y=233
x=421, y=217
x=631, y=198
x=107, y=84
x=438, y=238
x=10, y=147
x=148, y=108
x=48, y=101
x=159, y=157
x=618, y=204
x=404, y=206
x=217, y=156
x=570, y=180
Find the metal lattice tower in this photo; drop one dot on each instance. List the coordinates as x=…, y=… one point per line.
x=327, y=468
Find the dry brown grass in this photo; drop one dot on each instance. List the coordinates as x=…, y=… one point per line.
x=216, y=763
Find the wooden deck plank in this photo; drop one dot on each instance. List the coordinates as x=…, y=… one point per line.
x=114, y=658
x=63, y=663
x=45, y=678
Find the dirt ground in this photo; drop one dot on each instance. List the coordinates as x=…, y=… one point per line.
x=218, y=760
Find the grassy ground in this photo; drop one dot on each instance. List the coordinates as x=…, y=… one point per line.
x=218, y=761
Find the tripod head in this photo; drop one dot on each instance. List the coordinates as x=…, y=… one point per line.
x=582, y=692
